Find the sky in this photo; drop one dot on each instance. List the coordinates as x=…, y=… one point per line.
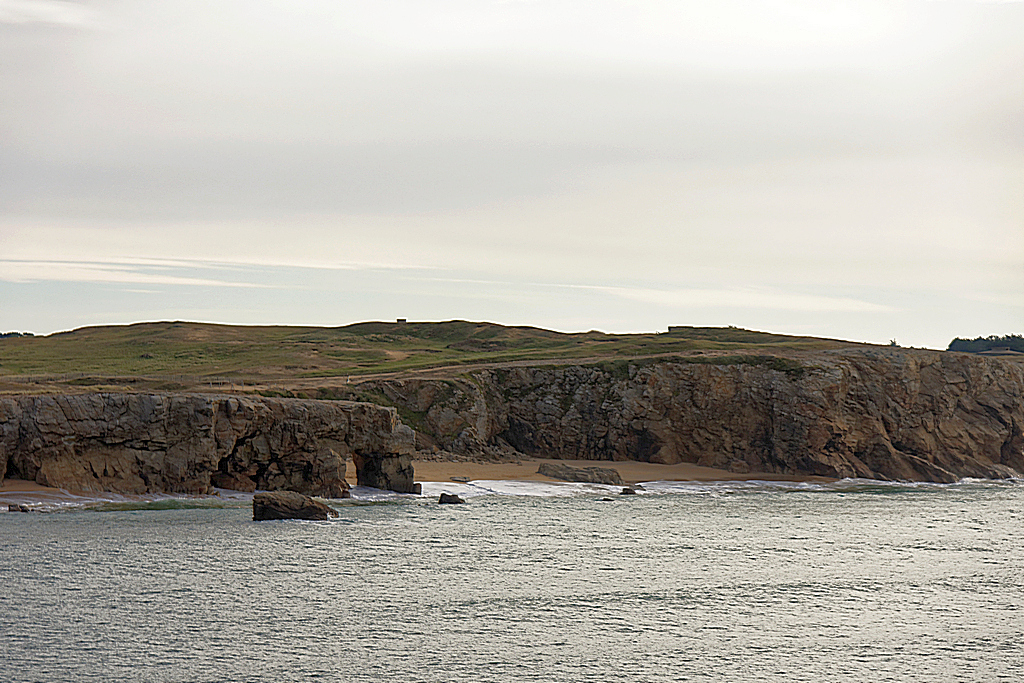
x=846, y=169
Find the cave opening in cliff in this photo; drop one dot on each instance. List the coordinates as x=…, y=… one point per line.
x=648, y=444
x=11, y=472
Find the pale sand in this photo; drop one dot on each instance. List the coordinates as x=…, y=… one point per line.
x=631, y=472
x=21, y=491
x=21, y=485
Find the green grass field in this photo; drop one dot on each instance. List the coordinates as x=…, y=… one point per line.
x=178, y=355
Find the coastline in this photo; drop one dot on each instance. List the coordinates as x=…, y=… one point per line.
x=632, y=472
x=20, y=491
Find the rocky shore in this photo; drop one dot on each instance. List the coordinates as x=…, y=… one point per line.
x=190, y=443
x=884, y=414
x=875, y=413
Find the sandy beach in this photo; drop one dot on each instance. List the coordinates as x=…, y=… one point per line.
x=631, y=472
x=28, y=492
x=22, y=492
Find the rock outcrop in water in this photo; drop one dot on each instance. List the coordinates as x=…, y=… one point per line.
x=139, y=443
x=288, y=505
x=450, y=499
x=876, y=413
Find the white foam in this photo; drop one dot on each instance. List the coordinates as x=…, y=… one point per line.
x=61, y=499
x=662, y=487
x=46, y=501
x=483, y=487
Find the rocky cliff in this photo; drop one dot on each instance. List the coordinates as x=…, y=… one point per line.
x=876, y=413
x=138, y=443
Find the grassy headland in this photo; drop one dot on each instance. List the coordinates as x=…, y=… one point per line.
x=189, y=356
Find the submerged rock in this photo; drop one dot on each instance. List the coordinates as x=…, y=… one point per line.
x=288, y=505
x=628, y=491
x=587, y=475
x=449, y=499
x=16, y=507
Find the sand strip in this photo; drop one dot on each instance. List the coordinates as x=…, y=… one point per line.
x=22, y=492
x=28, y=492
x=631, y=472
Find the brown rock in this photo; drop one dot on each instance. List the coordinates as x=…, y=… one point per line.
x=187, y=443
x=233, y=482
x=589, y=475
x=878, y=413
x=288, y=505
x=739, y=467
x=389, y=471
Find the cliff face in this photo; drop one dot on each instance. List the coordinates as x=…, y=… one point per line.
x=879, y=414
x=138, y=443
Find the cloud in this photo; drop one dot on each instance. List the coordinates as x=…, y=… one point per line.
x=23, y=271
x=769, y=299
x=802, y=157
x=746, y=298
x=48, y=12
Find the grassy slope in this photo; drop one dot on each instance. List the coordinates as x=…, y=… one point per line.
x=193, y=353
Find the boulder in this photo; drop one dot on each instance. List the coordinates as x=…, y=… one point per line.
x=587, y=475
x=628, y=491
x=288, y=505
x=449, y=499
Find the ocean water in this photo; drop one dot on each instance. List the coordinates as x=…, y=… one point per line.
x=853, y=581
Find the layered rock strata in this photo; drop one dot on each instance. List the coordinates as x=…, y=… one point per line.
x=142, y=443
x=876, y=413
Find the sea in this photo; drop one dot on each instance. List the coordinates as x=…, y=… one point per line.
x=739, y=581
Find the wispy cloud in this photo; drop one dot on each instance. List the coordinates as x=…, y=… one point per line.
x=746, y=298
x=23, y=271
x=95, y=268
x=771, y=299
x=48, y=12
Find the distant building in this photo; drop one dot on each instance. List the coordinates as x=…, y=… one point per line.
x=401, y=321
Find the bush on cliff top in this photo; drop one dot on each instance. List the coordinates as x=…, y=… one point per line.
x=1014, y=342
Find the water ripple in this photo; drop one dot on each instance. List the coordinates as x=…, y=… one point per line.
x=846, y=581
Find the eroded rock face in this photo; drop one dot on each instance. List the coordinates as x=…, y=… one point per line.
x=897, y=414
x=288, y=505
x=187, y=443
x=588, y=475
x=391, y=472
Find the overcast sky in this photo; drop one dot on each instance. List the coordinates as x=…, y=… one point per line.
x=845, y=169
